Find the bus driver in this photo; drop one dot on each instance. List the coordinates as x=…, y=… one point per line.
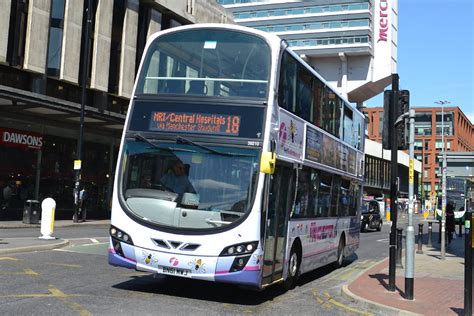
x=176, y=179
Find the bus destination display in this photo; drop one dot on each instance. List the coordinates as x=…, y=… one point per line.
x=203, y=123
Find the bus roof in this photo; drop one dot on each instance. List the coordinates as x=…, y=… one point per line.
x=272, y=39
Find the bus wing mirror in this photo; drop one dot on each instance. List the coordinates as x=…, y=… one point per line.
x=267, y=163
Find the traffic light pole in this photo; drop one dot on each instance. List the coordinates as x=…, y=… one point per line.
x=393, y=184
x=410, y=242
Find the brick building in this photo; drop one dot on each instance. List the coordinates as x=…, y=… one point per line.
x=458, y=137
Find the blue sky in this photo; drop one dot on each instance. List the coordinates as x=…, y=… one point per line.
x=435, y=53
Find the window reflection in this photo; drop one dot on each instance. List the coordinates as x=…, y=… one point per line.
x=55, y=37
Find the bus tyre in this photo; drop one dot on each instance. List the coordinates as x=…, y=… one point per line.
x=293, y=269
x=340, y=252
x=379, y=227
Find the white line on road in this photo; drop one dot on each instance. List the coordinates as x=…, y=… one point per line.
x=382, y=240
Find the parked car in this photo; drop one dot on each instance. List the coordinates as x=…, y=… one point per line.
x=370, y=217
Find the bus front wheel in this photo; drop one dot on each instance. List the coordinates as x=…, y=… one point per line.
x=293, y=268
x=340, y=252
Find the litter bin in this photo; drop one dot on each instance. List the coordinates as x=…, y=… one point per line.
x=31, y=212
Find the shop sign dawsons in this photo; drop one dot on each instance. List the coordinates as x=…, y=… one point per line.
x=20, y=139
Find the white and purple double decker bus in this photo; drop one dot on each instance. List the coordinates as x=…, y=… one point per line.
x=238, y=162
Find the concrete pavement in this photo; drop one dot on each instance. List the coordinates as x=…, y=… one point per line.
x=438, y=284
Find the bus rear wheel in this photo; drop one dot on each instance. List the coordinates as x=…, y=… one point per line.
x=293, y=269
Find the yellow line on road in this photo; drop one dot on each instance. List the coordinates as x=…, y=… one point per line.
x=9, y=259
x=341, y=305
x=53, y=292
x=316, y=295
x=66, y=265
x=354, y=269
x=30, y=272
x=57, y=293
x=25, y=272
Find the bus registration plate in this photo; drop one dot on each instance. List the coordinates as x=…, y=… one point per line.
x=174, y=271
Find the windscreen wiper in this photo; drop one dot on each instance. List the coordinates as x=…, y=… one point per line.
x=183, y=140
x=142, y=138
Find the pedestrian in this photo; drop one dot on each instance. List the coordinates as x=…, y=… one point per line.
x=83, y=199
x=2, y=199
x=450, y=225
x=7, y=193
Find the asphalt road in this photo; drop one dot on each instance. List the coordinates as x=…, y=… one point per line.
x=78, y=280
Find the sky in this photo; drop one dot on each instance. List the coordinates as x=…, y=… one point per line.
x=435, y=53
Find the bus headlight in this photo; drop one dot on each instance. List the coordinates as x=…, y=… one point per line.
x=120, y=235
x=239, y=263
x=245, y=248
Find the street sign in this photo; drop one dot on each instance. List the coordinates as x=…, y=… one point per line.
x=411, y=172
x=77, y=164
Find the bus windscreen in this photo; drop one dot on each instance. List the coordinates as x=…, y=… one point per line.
x=218, y=63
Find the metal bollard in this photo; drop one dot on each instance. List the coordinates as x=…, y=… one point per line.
x=398, y=261
x=420, y=239
x=468, y=264
x=430, y=233
x=439, y=235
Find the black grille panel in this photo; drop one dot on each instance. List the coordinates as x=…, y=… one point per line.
x=190, y=247
x=161, y=243
x=168, y=244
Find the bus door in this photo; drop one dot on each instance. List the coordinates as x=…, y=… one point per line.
x=279, y=203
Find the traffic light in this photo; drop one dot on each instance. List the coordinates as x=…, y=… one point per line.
x=387, y=129
x=403, y=129
x=402, y=106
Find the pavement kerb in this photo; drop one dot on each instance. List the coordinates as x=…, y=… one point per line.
x=18, y=226
x=387, y=310
x=60, y=244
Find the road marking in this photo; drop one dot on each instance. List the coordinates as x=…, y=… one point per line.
x=88, y=245
x=53, y=292
x=9, y=259
x=94, y=240
x=65, y=265
x=336, y=274
x=382, y=240
x=318, y=299
x=63, y=250
x=341, y=305
x=355, y=269
x=57, y=293
x=25, y=272
x=30, y=272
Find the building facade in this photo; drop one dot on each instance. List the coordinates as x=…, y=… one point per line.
x=351, y=43
x=42, y=65
x=377, y=174
x=458, y=137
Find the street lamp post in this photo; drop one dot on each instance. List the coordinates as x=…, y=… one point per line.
x=85, y=75
x=443, y=184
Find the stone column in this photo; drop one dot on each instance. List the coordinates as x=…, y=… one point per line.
x=129, y=49
x=5, y=28
x=101, y=46
x=72, y=35
x=37, y=30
